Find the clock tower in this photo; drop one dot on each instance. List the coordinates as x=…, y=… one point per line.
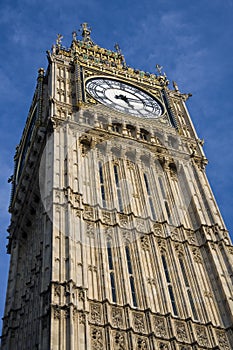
x=116, y=240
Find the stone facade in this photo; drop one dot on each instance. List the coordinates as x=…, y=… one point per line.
x=116, y=240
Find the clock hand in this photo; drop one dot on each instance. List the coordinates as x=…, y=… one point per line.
x=122, y=97
x=134, y=100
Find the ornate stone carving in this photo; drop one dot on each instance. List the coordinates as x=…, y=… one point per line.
x=163, y=346
x=179, y=249
x=66, y=312
x=138, y=322
x=208, y=232
x=157, y=230
x=142, y=343
x=191, y=237
x=202, y=336
x=81, y=294
x=160, y=326
x=95, y=314
x=72, y=197
x=97, y=338
x=123, y=220
x=208, y=294
x=117, y=318
x=57, y=290
x=119, y=341
x=108, y=231
x=161, y=244
x=226, y=237
x=213, y=245
x=222, y=340
x=92, y=268
x=88, y=213
x=75, y=313
x=126, y=235
x=106, y=217
x=145, y=244
x=197, y=255
x=181, y=331
x=140, y=225
x=175, y=234
x=56, y=312
x=151, y=280
x=82, y=318
x=78, y=213
x=90, y=229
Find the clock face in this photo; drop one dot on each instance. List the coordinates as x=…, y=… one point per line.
x=124, y=97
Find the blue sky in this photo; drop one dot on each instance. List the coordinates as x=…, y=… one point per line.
x=191, y=40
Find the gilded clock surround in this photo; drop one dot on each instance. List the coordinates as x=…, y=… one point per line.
x=117, y=242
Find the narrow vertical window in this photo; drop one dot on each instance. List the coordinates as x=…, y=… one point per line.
x=147, y=184
x=131, y=278
x=111, y=268
x=116, y=175
x=165, y=200
x=184, y=272
x=169, y=285
x=194, y=311
x=161, y=187
x=166, y=269
x=133, y=291
x=102, y=189
x=173, y=302
x=110, y=262
x=128, y=260
x=167, y=209
x=191, y=302
x=119, y=196
x=113, y=287
x=152, y=209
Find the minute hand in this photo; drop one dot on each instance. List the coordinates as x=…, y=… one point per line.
x=134, y=100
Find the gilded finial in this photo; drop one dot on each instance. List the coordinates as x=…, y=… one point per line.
x=118, y=50
x=86, y=32
x=159, y=68
x=175, y=86
x=74, y=35
x=59, y=40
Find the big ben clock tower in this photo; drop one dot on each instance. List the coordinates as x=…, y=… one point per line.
x=116, y=240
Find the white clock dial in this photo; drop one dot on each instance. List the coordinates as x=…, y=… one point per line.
x=124, y=97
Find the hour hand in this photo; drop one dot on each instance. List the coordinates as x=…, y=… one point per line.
x=122, y=97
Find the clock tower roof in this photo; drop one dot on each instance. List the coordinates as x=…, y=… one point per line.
x=87, y=52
